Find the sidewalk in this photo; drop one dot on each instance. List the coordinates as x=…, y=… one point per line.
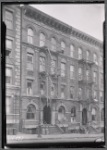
x=55, y=136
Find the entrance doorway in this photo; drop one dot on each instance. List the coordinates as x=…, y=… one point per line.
x=84, y=116
x=47, y=115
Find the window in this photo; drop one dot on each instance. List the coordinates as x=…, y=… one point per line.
x=80, y=93
x=101, y=96
x=29, y=61
x=71, y=92
x=9, y=46
x=87, y=55
x=71, y=72
x=101, y=80
x=53, y=44
x=93, y=112
x=31, y=111
x=95, y=77
x=8, y=105
x=80, y=73
x=101, y=61
x=42, y=39
x=42, y=88
x=53, y=90
x=79, y=53
x=95, y=59
x=102, y=114
x=71, y=51
x=9, y=19
x=42, y=64
x=61, y=115
x=30, y=36
x=73, y=114
x=95, y=94
x=53, y=66
x=88, y=93
x=87, y=74
x=62, y=46
x=62, y=69
x=63, y=91
x=29, y=87
x=9, y=75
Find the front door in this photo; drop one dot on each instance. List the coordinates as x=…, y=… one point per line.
x=84, y=116
x=47, y=115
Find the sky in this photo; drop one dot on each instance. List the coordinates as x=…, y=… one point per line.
x=84, y=17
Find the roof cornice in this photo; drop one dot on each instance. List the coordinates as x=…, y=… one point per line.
x=46, y=19
x=60, y=26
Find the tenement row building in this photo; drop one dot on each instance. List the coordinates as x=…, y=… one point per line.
x=54, y=75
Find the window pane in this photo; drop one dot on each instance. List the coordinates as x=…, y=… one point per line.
x=8, y=75
x=72, y=51
x=8, y=105
x=87, y=55
x=42, y=64
x=62, y=69
x=62, y=45
x=53, y=65
x=9, y=19
x=29, y=87
x=42, y=39
x=53, y=44
x=71, y=72
x=9, y=44
x=79, y=53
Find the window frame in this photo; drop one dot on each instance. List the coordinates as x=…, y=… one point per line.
x=62, y=91
x=42, y=39
x=53, y=44
x=11, y=77
x=63, y=69
x=71, y=72
x=31, y=115
x=42, y=63
x=29, y=91
x=30, y=37
x=72, y=51
x=8, y=19
x=80, y=53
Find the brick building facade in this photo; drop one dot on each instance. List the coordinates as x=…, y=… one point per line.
x=57, y=74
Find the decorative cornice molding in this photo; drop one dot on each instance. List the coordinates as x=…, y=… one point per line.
x=46, y=19
x=60, y=26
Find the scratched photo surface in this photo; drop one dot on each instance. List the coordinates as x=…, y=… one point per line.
x=54, y=72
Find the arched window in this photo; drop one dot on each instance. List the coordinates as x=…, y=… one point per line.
x=79, y=53
x=53, y=44
x=62, y=46
x=95, y=59
x=102, y=114
x=87, y=74
x=95, y=77
x=71, y=51
x=87, y=55
x=30, y=36
x=80, y=93
x=42, y=39
x=61, y=114
x=93, y=113
x=80, y=73
x=73, y=114
x=31, y=111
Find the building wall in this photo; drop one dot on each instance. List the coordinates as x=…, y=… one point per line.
x=13, y=62
x=67, y=102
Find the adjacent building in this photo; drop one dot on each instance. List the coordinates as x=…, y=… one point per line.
x=54, y=75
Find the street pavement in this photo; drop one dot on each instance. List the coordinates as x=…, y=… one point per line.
x=31, y=138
